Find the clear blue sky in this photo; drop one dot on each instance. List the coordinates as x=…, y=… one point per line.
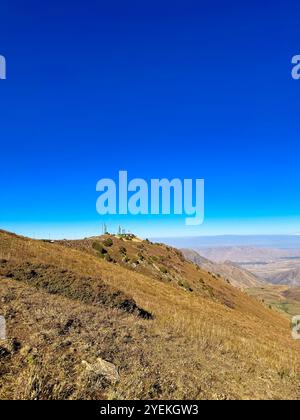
x=189, y=89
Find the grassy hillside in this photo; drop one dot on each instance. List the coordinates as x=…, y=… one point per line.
x=160, y=262
x=167, y=328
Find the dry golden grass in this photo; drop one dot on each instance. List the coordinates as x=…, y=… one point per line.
x=212, y=343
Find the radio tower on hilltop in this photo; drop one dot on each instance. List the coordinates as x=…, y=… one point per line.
x=104, y=228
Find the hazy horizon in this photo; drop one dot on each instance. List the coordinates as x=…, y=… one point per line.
x=258, y=241
x=284, y=241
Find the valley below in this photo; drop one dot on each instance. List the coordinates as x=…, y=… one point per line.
x=272, y=275
x=273, y=265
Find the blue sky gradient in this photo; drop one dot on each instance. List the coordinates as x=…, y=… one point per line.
x=162, y=89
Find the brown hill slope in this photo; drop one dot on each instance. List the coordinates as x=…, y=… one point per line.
x=66, y=308
x=286, y=273
x=237, y=276
x=293, y=293
x=158, y=261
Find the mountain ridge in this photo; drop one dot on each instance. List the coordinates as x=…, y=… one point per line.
x=237, y=276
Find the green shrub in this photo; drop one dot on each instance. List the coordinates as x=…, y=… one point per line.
x=122, y=250
x=108, y=242
x=97, y=246
x=185, y=285
x=109, y=258
x=164, y=270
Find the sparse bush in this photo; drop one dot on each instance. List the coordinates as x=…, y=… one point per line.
x=109, y=258
x=180, y=255
x=108, y=242
x=185, y=285
x=122, y=250
x=163, y=269
x=97, y=246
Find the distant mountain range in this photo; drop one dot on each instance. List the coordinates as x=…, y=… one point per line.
x=272, y=265
x=280, y=272
x=237, y=276
x=245, y=255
